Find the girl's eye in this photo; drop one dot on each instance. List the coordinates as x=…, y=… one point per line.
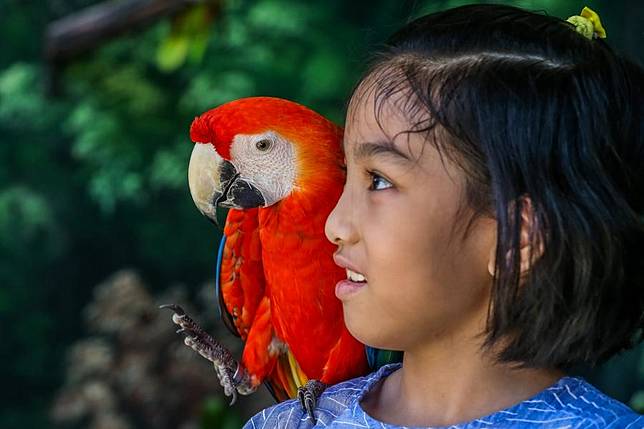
x=377, y=179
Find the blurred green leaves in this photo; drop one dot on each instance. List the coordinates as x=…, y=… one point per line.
x=553, y=7
x=206, y=92
x=23, y=106
x=281, y=18
x=320, y=75
x=216, y=414
x=26, y=220
x=101, y=143
x=95, y=179
x=188, y=37
x=20, y=92
x=168, y=169
x=637, y=400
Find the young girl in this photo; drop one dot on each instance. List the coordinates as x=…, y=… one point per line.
x=494, y=203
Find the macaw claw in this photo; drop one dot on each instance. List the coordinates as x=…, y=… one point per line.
x=232, y=375
x=174, y=307
x=308, y=395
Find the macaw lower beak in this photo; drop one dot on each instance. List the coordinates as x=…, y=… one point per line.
x=214, y=181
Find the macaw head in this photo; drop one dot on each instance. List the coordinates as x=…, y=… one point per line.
x=258, y=151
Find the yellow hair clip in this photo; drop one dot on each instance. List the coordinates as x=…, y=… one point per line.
x=588, y=24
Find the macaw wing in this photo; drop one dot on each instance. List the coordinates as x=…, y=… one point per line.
x=240, y=280
x=240, y=286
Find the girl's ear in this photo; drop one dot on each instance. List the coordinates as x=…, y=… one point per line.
x=492, y=260
x=525, y=246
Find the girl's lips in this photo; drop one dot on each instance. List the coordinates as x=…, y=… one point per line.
x=346, y=288
x=341, y=261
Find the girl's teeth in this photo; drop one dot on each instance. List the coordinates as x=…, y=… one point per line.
x=355, y=277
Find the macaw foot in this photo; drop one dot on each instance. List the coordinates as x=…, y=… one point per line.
x=232, y=375
x=308, y=395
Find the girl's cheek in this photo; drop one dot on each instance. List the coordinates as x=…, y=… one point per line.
x=385, y=202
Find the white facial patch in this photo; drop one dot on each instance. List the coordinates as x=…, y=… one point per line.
x=267, y=161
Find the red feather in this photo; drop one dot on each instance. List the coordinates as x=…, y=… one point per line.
x=277, y=275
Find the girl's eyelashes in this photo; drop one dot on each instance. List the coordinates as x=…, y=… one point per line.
x=375, y=179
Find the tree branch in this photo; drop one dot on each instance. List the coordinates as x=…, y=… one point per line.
x=82, y=31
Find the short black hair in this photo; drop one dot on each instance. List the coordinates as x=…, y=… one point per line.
x=531, y=108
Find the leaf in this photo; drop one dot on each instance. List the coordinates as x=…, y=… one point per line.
x=198, y=46
x=322, y=74
x=279, y=18
x=216, y=415
x=637, y=401
x=206, y=91
x=188, y=38
x=168, y=169
x=172, y=52
x=21, y=100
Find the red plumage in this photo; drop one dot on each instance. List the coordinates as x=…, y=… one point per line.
x=277, y=274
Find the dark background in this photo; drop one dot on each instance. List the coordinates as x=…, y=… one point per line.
x=94, y=202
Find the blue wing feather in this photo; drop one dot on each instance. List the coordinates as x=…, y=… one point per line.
x=226, y=317
x=220, y=253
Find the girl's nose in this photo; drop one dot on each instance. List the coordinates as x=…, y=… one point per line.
x=339, y=227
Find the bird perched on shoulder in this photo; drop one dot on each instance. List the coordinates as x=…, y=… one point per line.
x=279, y=167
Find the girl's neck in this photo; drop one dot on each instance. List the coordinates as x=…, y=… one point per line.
x=450, y=383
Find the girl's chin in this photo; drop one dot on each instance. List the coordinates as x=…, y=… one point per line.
x=367, y=331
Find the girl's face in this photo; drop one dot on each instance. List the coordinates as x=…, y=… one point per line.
x=393, y=224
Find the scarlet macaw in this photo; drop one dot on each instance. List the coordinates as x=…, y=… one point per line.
x=279, y=166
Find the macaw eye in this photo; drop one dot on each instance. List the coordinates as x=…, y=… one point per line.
x=263, y=145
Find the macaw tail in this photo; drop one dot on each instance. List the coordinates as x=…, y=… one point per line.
x=285, y=378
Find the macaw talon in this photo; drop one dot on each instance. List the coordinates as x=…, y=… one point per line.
x=189, y=327
x=226, y=380
x=232, y=375
x=174, y=307
x=308, y=395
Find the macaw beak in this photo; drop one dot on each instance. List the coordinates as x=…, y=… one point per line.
x=214, y=181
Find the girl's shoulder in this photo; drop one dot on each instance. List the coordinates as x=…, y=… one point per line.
x=331, y=406
x=570, y=403
x=576, y=397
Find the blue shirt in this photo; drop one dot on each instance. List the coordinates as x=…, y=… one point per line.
x=571, y=403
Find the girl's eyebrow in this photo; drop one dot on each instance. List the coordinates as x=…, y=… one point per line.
x=383, y=148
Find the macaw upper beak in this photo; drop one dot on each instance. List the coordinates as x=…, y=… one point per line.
x=214, y=181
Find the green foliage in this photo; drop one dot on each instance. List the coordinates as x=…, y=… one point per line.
x=216, y=414
x=187, y=39
x=21, y=94
x=637, y=400
x=95, y=179
x=25, y=218
x=563, y=9
x=205, y=92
